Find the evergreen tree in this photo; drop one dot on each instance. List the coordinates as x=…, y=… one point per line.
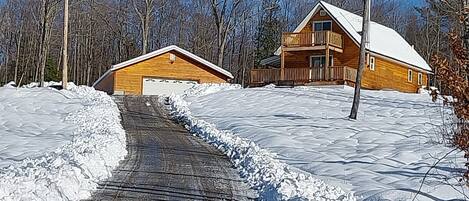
x=268, y=38
x=51, y=73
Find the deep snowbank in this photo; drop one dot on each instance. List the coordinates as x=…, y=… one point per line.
x=273, y=179
x=384, y=155
x=59, y=143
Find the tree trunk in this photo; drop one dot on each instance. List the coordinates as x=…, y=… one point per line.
x=90, y=47
x=65, y=48
x=18, y=54
x=42, y=51
x=7, y=59
x=361, y=67
x=466, y=23
x=224, y=23
x=145, y=19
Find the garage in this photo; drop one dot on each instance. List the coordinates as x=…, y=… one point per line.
x=162, y=72
x=158, y=86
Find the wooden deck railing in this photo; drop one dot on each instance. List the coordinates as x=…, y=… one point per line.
x=297, y=74
x=350, y=74
x=265, y=75
x=309, y=39
x=302, y=75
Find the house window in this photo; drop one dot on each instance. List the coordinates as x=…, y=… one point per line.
x=420, y=78
x=319, y=61
x=322, y=26
x=372, y=63
x=409, y=75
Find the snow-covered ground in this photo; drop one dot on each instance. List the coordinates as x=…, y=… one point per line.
x=383, y=155
x=56, y=145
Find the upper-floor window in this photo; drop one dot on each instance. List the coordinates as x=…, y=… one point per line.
x=372, y=63
x=409, y=75
x=420, y=78
x=322, y=26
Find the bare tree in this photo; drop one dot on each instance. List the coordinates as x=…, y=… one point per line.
x=466, y=22
x=145, y=14
x=106, y=32
x=49, y=8
x=363, y=45
x=65, y=48
x=224, y=16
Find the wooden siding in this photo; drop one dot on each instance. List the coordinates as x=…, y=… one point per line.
x=106, y=84
x=130, y=79
x=387, y=74
x=390, y=75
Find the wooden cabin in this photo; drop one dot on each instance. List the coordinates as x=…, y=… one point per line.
x=164, y=71
x=324, y=50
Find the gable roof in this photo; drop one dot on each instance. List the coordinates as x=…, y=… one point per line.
x=160, y=52
x=167, y=49
x=383, y=40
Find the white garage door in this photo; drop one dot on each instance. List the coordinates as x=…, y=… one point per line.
x=157, y=86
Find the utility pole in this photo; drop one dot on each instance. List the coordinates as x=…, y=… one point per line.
x=65, y=48
x=363, y=45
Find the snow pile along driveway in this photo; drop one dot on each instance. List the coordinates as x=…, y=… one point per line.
x=273, y=179
x=384, y=155
x=56, y=145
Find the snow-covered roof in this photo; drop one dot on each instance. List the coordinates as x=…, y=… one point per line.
x=383, y=40
x=160, y=52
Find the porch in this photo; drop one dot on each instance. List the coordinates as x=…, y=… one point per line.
x=304, y=76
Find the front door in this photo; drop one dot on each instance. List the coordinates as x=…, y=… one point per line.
x=317, y=64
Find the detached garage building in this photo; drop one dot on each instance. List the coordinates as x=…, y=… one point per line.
x=165, y=71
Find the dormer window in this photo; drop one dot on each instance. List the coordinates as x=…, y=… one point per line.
x=322, y=26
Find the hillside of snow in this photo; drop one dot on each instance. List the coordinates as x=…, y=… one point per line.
x=383, y=155
x=56, y=145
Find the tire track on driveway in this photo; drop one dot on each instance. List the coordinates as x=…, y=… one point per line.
x=165, y=162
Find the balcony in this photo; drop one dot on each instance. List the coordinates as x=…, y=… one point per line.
x=312, y=41
x=299, y=76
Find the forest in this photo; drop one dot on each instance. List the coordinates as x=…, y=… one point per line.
x=234, y=34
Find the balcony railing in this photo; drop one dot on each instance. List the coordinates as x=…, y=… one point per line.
x=303, y=75
x=310, y=39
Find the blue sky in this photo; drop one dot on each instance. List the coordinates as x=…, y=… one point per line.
x=414, y=2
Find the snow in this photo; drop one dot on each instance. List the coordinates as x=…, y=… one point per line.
x=383, y=155
x=56, y=145
x=273, y=179
x=383, y=40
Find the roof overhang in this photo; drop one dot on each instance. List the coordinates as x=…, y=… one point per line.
x=272, y=61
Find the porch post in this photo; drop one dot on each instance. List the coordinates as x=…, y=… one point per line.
x=326, y=68
x=282, y=67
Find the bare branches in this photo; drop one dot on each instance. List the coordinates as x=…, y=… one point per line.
x=105, y=32
x=428, y=171
x=145, y=13
x=224, y=23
